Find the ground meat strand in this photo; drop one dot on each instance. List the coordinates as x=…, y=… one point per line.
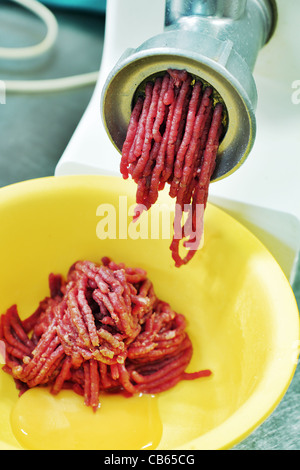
x=132, y=128
x=101, y=329
x=181, y=141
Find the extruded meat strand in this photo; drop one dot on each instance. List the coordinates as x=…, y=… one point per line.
x=180, y=149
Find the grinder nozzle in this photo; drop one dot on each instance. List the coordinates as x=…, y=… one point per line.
x=218, y=47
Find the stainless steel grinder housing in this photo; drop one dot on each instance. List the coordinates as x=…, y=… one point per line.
x=217, y=41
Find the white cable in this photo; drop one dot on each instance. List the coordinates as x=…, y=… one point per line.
x=40, y=86
x=44, y=46
x=55, y=84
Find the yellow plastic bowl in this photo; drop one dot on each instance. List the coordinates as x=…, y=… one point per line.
x=242, y=315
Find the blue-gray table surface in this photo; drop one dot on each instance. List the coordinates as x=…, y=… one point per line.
x=32, y=140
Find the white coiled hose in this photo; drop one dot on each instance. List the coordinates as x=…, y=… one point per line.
x=37, y=86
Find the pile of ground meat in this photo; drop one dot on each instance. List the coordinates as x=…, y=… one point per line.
x=103, y=329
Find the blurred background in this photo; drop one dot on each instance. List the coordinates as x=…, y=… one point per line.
x=36, y=128
x=32, y=137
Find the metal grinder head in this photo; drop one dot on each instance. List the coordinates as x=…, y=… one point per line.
x=216, y=41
